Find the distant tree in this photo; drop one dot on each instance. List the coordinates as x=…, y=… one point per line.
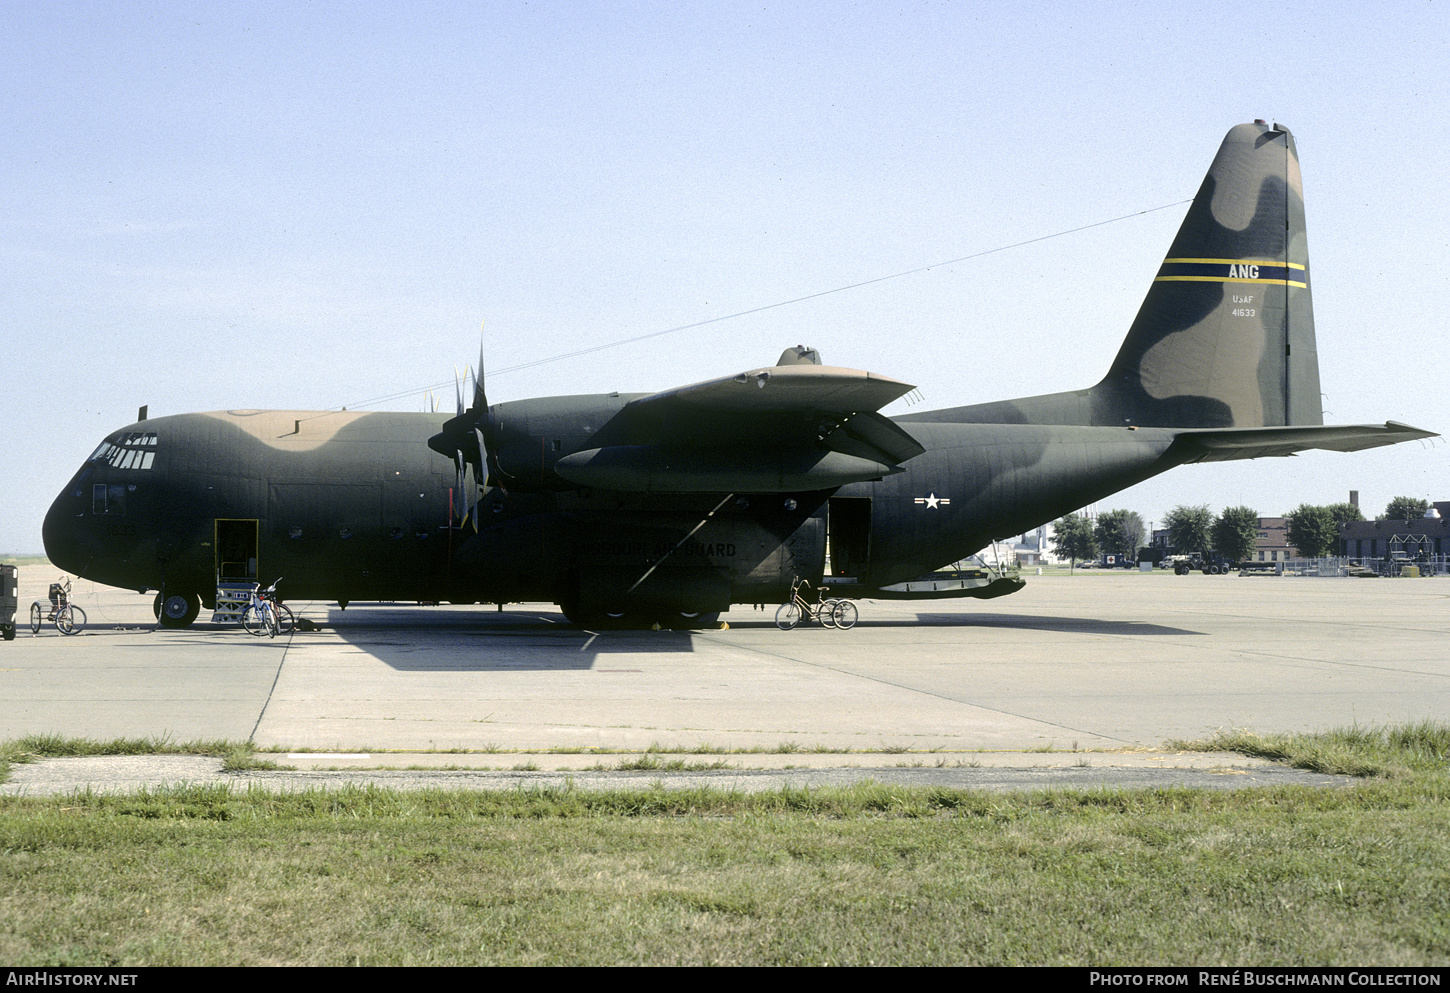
x=1343, y=513
x=1404, y=508
x=1119, y=532
x=1072, y=538
x=1312, y=530
x=1188, y=528
x=1235, y=533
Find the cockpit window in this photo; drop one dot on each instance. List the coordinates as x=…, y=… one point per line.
x=108, y=499
x=132, y=450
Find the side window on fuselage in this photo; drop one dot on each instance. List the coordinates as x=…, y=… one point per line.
x=108, y=498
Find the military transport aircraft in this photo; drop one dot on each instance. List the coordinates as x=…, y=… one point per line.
x=669, y=507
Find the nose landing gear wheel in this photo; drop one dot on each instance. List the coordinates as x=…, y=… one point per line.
x=177, y=610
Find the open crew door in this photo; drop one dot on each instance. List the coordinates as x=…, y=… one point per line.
x=848, y=523
x=236, y=551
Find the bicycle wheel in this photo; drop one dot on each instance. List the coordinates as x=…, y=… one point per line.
x=787, y=615
x=77, y=618
x=286, y=623
x=35, y=615
x=65, y=621
x=252, y=621
x=269, y=613
x=845, y=615
x=826, y=613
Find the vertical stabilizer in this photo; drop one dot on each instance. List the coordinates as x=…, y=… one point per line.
x=1225, y=337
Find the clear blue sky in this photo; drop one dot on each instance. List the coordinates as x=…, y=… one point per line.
x=214, y=206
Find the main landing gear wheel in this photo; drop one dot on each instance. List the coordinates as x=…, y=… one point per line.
x=176, y=610
x=684, y=620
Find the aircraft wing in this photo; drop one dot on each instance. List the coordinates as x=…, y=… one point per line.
x=783, y=389
x=772, y=430
x=1214, y=445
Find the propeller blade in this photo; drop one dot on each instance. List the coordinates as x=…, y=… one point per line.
x=479, y=400
x=463, y=489
x=471, y=425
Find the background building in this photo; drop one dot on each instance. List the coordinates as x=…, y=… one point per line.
x=1272, y=543
x=1417, y=538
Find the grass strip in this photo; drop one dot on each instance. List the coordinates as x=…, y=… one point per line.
x=872, y=874
x=867, y=874
x=1392, y=751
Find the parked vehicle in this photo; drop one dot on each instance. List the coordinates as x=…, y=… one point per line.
x=9, y=582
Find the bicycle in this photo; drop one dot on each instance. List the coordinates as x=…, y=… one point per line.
x=830, y=612
x=68, y=618
x=265, y=615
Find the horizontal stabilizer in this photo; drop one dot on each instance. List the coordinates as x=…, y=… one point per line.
x=1253, y=443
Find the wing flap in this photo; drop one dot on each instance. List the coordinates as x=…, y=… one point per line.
x=648, y=469
x=874, y=436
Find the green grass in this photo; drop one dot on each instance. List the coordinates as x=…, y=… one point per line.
x=38, y=746
x=870, y=874
x=1389, y=752
x=25, y=561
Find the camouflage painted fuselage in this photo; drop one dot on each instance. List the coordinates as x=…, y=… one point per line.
x=686, y=501
x=353, y=506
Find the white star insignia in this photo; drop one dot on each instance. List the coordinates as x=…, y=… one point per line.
x=932, y=500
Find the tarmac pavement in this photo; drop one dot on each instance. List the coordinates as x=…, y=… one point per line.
x=1101, y=661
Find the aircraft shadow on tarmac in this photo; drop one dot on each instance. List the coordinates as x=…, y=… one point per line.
x=416, y=639
x=490, y=641
x=1070, y=625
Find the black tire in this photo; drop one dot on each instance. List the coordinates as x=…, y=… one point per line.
x=177, y=610
x=286, y=621
x=787, y=615
x=8, y=632
x=35, y=616
x=70, y=619
x=595, y=619
x=252, y=621
x=690, y=621
x=845, y=614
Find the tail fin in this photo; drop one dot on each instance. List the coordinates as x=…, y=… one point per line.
x=1225, y=337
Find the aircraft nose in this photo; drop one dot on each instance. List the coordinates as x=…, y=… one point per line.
x=62, y=535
